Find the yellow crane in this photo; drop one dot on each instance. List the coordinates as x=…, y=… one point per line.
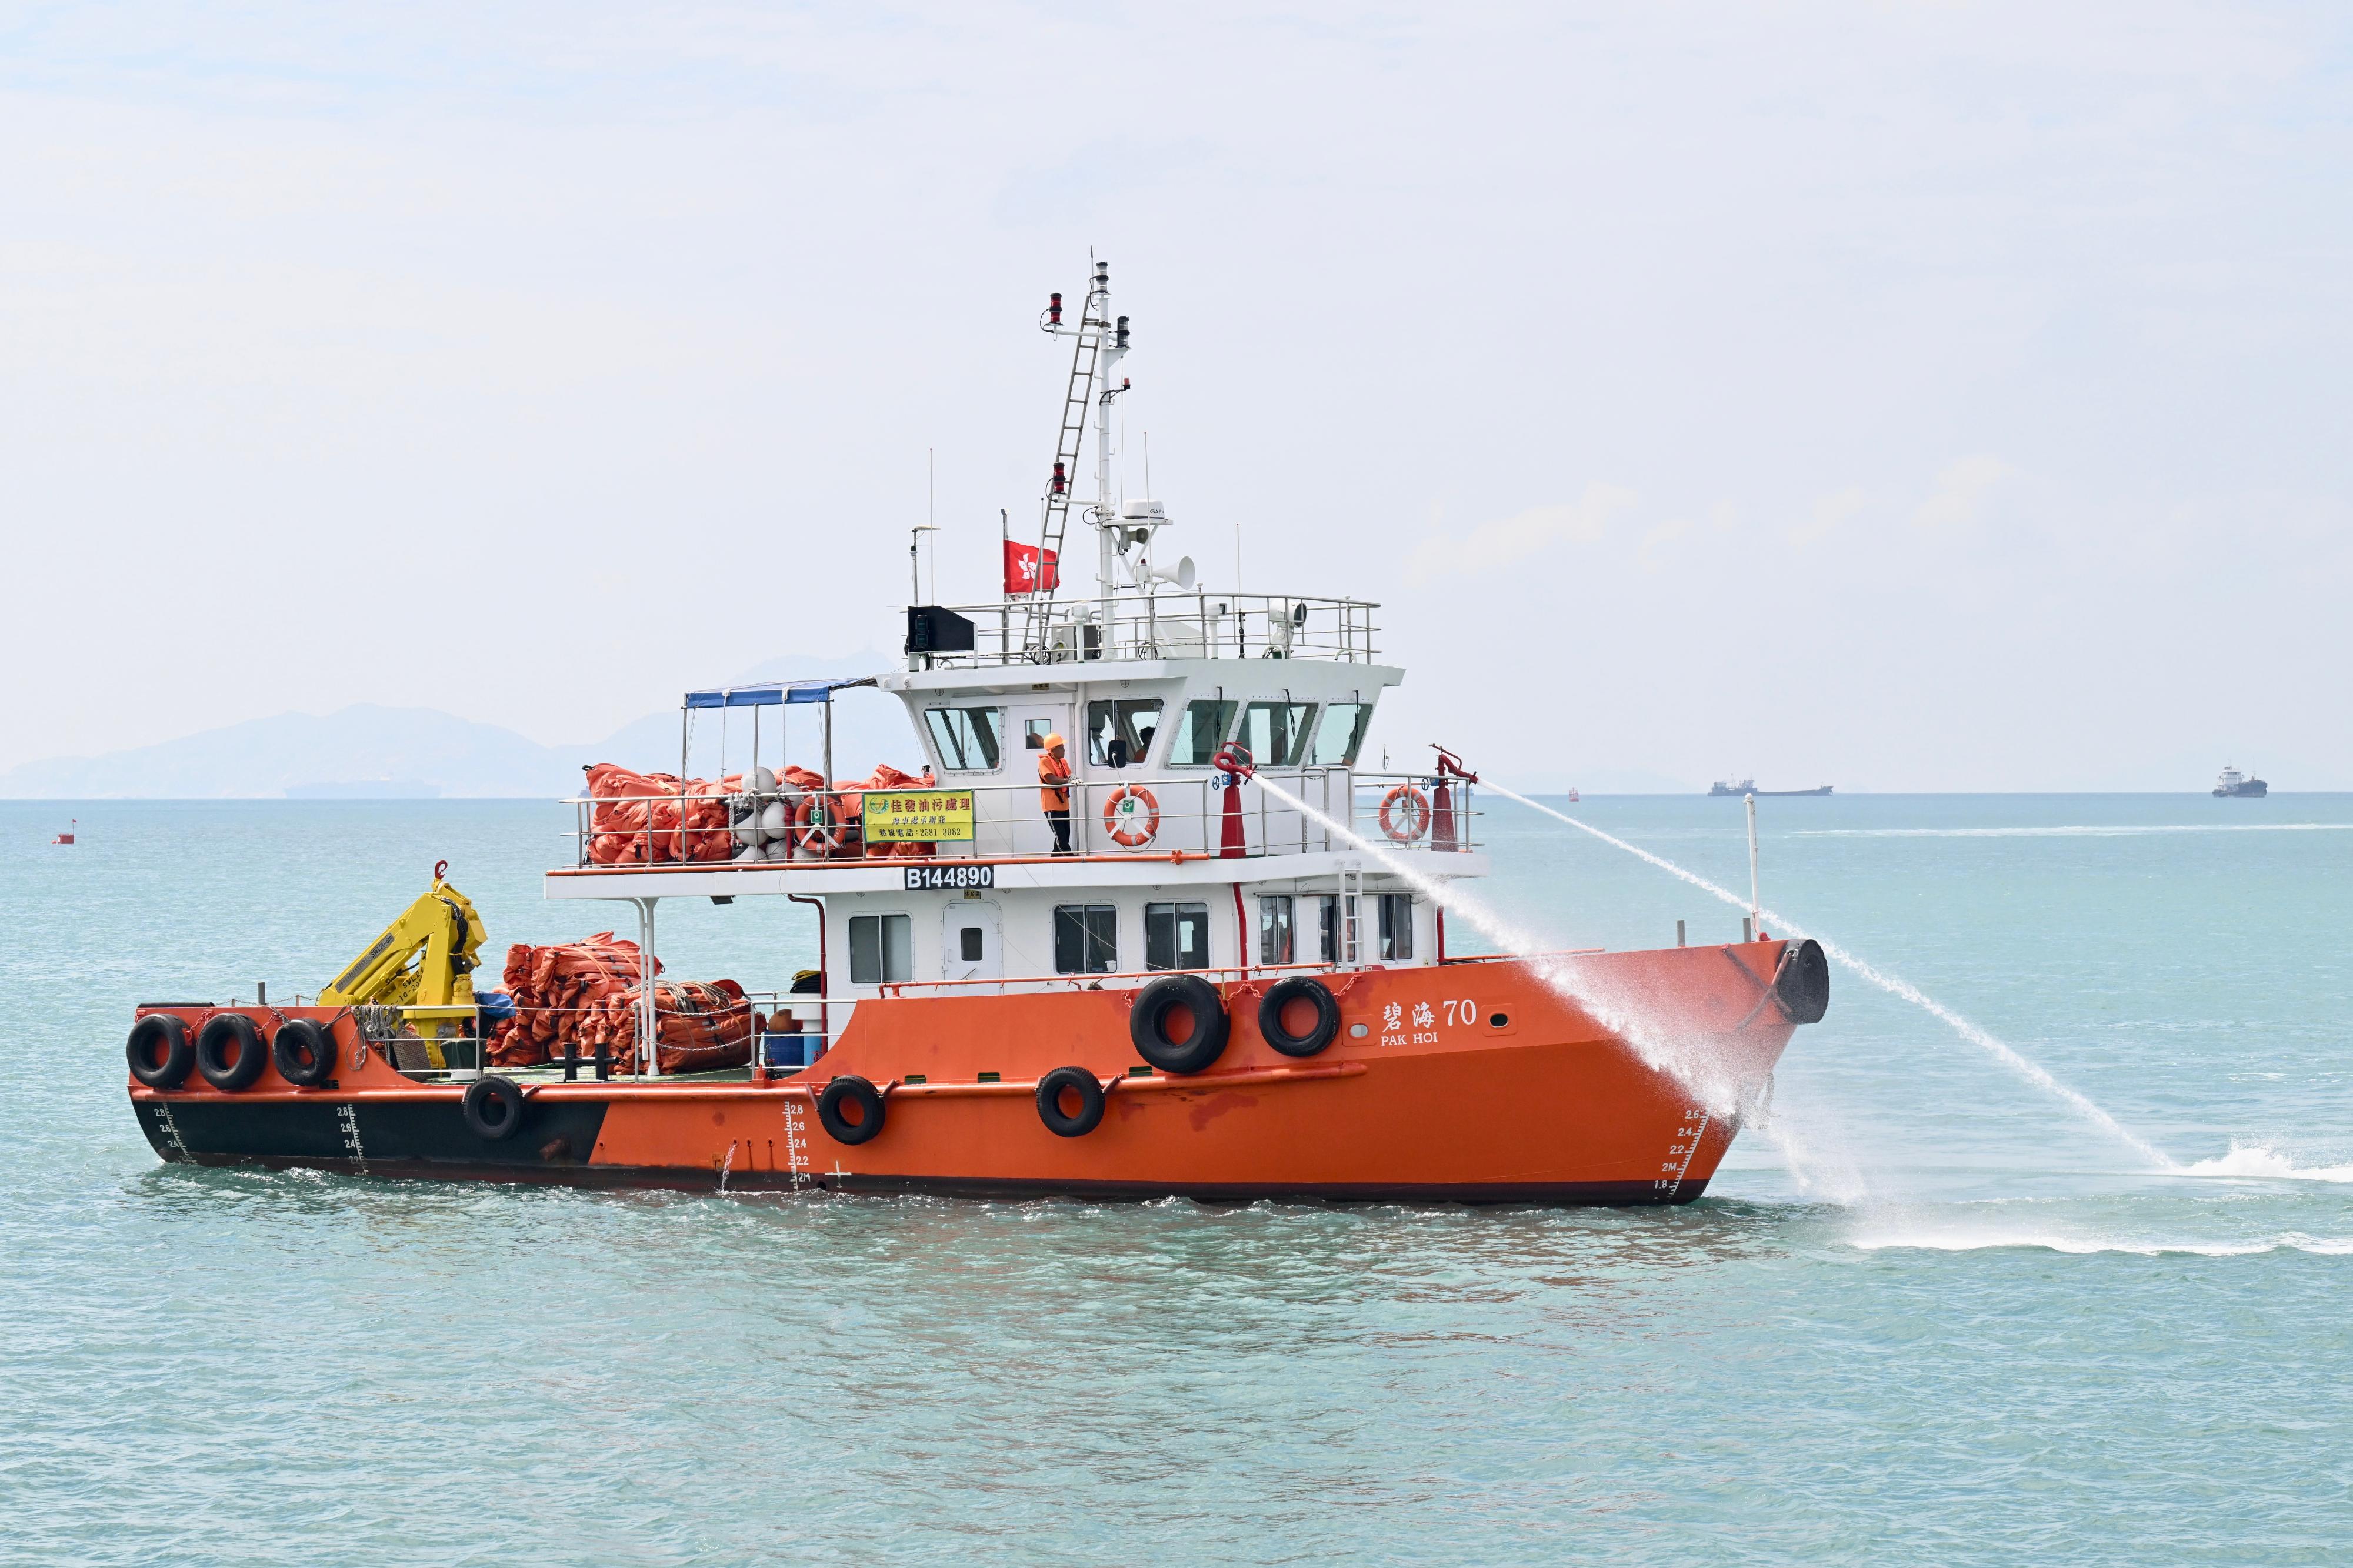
x=423, y=962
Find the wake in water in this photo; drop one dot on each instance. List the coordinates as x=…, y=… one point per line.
x=2087, y=831
x=1977, y=1235
x=1701, y=1073
x=2258, y=1162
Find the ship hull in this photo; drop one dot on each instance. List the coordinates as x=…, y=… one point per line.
x=1471, y=1082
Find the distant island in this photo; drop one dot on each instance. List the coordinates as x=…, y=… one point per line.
x=368, y=751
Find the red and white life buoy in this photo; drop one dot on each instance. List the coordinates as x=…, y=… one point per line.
x=1405, y=814
x=1131, y=816
x=820, y=821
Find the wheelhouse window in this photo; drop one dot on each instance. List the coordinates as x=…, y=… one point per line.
x=1396, y=927
x=1200, y=730
x=1340, y=735
x=1086, y=939
x=968, y=738
x=1120, y=732
x=1275, y=910
x=1176, y=936
x=1275, y=732
x=881, y=949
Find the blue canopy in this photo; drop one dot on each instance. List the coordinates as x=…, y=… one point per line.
x=771, y=693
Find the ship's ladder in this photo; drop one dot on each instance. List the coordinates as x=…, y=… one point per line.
x=1348, y=916
x=1078, y=399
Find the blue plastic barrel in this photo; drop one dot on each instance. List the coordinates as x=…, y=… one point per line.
x=793, y=1051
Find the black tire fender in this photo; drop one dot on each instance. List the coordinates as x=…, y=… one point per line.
x=221, y=1032
x=868, y=1099
x=1802, y=984
x=494, y=1107
x=1148, y=1027
x=160, y=1032
x=303, y=1052
x=1088, y=1089
x=1282, y=995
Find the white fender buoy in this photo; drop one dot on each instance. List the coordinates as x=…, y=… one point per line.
x=781, y=849
x=764, y=781
x=775, y=819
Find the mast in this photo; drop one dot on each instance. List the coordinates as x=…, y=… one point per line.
x=1096, y=348
x=1105, y=517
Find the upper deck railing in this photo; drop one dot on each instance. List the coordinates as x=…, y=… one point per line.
x=1111, y=819
x=1170, y=625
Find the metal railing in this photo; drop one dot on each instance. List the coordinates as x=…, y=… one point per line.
x=770, y=1048
x=1134, y=979
x=1169, y=625
x=410, y=1036
x=1140, y=816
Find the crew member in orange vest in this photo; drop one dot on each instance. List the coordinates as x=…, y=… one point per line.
x=1054, y=792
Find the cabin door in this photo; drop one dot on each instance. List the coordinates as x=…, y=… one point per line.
x=1030, y=724
x=975, y=941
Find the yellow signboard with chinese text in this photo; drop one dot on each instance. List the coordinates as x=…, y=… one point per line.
x=918, y=815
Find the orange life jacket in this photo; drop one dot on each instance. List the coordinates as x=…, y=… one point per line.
x=1051, y=772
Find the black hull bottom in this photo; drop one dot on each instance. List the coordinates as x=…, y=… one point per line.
x=420, y=1141
x=1573, y=1194
x=399, y=1137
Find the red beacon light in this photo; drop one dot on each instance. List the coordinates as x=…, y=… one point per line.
x=1053, y=310
x=1061, y=481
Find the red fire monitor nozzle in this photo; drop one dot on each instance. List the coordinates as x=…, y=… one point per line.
x=1448, y=764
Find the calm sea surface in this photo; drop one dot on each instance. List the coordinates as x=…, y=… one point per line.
x=1968, y=1326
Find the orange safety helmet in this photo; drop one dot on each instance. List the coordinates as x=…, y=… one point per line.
x=1053, y=741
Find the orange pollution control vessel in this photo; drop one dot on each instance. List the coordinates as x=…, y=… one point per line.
x=1200, y=953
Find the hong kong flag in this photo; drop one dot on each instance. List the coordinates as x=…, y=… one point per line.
x=1029, y=569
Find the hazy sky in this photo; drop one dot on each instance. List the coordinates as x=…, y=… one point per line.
x=1905, y=395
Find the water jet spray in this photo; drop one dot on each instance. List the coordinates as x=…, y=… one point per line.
x=1894, y=985
x=1615, y=1014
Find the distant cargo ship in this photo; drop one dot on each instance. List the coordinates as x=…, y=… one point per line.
x=2235, y=783
x=1749, y=787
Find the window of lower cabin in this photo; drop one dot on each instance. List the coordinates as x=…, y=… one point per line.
x=1341, y=736
x=968, y=738
x=1086, y=939
x=1274, y=928
x=881, y=949
x=1120, y=732
x=1176, y=936
x=1275, y=732
x=1397, y=926
x=1200, y=730
x=1327, y=919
